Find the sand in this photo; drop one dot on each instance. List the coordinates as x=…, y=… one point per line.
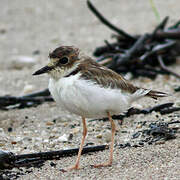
x=28, y=26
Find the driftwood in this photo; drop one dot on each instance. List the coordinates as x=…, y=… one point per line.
x=165, y=108
x=142, y=55
x=30, y=100
x=8, y=160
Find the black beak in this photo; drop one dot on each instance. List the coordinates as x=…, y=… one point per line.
x=43, y=70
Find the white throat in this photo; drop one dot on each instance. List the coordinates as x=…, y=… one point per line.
x=59, y=73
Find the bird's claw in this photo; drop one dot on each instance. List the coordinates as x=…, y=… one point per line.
x=102, y=165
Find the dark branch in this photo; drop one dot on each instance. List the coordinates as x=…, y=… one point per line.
x=107, y=23
x=9, y=160
x=163, y=66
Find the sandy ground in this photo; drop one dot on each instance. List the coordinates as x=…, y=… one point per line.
x=28, y=26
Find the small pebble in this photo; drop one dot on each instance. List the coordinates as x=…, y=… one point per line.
x=52, y=164
x=1, y=130
x=55, y=130
x=65, y=124
x=63, y=138
x=10, y=129
x=75, y=130
x=177, y=104
x=177, y=88
x=72, y=126
x=107, y=136
x=70, y=136
x=99, y=136
x=36, y=52
x=2, y=144
x=124, y=131
x=139, y=126
x=28, y=88
x=141, y=143
x=46, y=141
x=136, y=135
x=160, y=142
x=13, y=142
x=49, y=123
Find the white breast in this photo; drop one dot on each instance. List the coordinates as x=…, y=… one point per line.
x=86, y=99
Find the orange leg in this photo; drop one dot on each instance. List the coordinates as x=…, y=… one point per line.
x=109, y=162
x=76, y=166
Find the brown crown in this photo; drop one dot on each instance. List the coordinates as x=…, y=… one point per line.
x=64, y=51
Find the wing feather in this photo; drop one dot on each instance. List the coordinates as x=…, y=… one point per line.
x=90, y=70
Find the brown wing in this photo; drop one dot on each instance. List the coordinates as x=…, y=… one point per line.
x=104, y=76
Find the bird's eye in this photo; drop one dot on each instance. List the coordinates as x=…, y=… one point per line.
x=64, y=60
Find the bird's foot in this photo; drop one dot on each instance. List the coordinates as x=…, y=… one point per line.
x=76, y=167
x=109, y=163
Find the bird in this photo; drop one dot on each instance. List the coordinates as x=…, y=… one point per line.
x=83, y=87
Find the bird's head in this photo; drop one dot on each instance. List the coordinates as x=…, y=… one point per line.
x=63, y=60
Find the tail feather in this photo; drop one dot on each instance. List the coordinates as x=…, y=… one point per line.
x=156, y=94
x=141, y=92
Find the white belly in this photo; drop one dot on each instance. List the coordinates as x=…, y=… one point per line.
x=86, y=99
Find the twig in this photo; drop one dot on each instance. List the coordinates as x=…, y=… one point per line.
x=9, y=160
x=140, y=52
x=157, y=49
x=44, y=92
x=169, y=110
x=22, y=102
x=137, y=46
x=107, y=23
x=162, y=65
x=157, y=108
x=11, y=102
x=161, y=25
x=162, y=108
x=169, y=34
x=177, y=89
x=174, y=122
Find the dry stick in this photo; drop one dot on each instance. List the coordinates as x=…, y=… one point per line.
x=169, y=110
x=174, y=26
x=157, y=108
x=165, y=108
x=157, y=48
x=126, y=58
x=154, y=42
x=170, y=34
x=161, y=25
x=26, y=100
x=9, y=160
x=107, y=23
x=62, y=153
x=177, y=89
x=44, y=92
x=173, y=32
x=162, y=65
x=11, y=100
